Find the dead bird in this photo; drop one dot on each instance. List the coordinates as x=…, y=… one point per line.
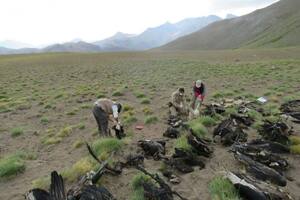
x=156, y=149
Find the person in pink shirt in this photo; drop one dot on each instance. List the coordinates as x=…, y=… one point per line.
x=199, y=91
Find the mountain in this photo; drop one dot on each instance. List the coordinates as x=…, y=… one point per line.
x=11, y=44
x=230, y=16
x=275, y=26
x=72, y=47
x=65, y=47
x=156, y=36
x=112, y=43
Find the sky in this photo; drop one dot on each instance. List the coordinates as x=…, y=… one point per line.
x=41, y=22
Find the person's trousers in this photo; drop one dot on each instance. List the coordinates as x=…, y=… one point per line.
x=101, y=119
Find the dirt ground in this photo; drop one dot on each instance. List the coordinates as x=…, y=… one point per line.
x=37, y=80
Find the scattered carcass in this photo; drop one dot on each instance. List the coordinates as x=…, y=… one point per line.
x=153, y=148
x=270, y=146
x=250, y=189
x=85, y=189
x=275, y=131
x=213, y=109
x=261, y=171
x=231, y=129
x=161, y=192
x=174, y=121
x=291, y=108
x=262, y=156
x=183, y=161
x=172, y=133
x=199, y=145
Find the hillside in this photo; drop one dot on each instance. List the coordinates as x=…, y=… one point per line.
x=275, y=26
x=72, y=47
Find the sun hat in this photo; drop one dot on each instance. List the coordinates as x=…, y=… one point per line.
x=198, y=83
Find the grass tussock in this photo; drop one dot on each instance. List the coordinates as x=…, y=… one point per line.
x=15, y=132
x=77, y=144
x=42, y=183
x=198, y=128
x=81, y=167
x=66, y=131
x=221, y=188
x=294, y=139
x=107, y=145
x=44, y=120
x=147, y=111
x=145, y=101
x=139, y=95
x=182, y=143
x=295, y=149
x=128, y=120
x=117, y=93
x=151, y=120
x=12, y=165
x=136, y=184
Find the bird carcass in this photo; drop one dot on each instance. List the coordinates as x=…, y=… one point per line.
x=261, y=171
x=252, y=189
x=291, y=108
x=270, y=146
x=275, y=131
x=229, y=132
x=199, y=145
x=184, y=161
x=262, y=156
x=213, y=109
x=171, y=132
x=155, y=149
x=158, y=191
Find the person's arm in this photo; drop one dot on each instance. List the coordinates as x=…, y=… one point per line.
x=115, y=114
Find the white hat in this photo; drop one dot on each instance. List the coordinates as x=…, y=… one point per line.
x=198, y=83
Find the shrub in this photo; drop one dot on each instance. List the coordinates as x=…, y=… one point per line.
x=295, y=149
x=127, y=108
x=182, y=143
x=294, y=140
x=151, y=119
x=77, y=144
x=136, y=184
x=42, y=183
x=147, y=111
x=197, y=126
x=11, y=165
x=81, y=167
x=145, y=101
x=81, y=126
x=107, y=145
x=207, y=121
x=101, y=96
x=140, y=95
x=86, y=106
x=129, y=120
x=117, y=93
x=65, y=131
x=221, y=188
x=52, y=140
x=15, y=132
x=44, y=120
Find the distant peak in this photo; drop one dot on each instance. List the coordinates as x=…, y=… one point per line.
x=230, y=16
